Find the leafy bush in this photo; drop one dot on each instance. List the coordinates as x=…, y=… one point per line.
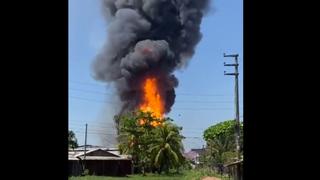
x=226, y=128
x=221, y=145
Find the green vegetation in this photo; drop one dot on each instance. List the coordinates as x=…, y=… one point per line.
x=166, y=149
x=133, y=177
x=197, y=174
x=156, y=149
x=154, y=144
x=220, y=144
x=72, y=140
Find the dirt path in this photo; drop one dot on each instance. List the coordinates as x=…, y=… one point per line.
x=210, y=178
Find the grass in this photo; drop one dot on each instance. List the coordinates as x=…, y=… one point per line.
x=186, y=175
x=132, y=177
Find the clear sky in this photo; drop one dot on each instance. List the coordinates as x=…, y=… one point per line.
x=205, y=96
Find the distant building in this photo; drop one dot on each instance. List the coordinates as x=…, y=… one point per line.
x=194, y=155
x=199, y=151
x=99, y=161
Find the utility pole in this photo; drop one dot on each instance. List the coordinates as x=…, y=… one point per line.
x=237, y=127
x=85, y=145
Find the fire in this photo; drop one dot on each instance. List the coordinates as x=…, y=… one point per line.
x=152, y=100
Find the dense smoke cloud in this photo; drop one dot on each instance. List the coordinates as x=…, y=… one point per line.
x=147, y=38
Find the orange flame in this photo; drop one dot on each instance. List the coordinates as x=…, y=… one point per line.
x=152, y=100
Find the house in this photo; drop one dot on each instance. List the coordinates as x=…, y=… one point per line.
x=199, y=151
x=194, y=155
x=99, y=161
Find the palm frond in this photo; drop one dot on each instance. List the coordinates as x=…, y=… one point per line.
x=157, y=159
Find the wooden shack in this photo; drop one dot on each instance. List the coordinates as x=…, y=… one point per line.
x=232, y=169
x=99, y=162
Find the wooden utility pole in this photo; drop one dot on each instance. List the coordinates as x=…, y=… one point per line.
x=237, y=117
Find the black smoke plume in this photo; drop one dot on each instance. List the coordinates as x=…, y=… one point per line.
x=147, y=38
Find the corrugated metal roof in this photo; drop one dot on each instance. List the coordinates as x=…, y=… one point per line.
x=90, y=147
x=73, y=159
x=87, y=152
x=74, y=155
x=103, y=158
x=114, y=152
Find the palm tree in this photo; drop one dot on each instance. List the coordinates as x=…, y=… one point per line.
x=166, y=148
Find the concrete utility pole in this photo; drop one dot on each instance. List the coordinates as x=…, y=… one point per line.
x=85, y=144
x=237, y=134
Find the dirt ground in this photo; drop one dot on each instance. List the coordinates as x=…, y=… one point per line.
x=210, y=178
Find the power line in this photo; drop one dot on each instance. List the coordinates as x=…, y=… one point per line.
x=94, y=92
x=189, y=94
x=86, y=99
x=193, y=132
x=108, y=130
x=84, y=83
x=183, y=109
x=102, y=124
x=102, y=133
x=91, y=123
x=95, y=126
x=104, y=129
x=193, y=137
x=97, y=133
x=201, y=109
x=203, y=102
x=97, y=123
x=95, y=130
x=182, y=94
x=113, y=102
x=99, y=127
x=176, y=109
x=108, y=141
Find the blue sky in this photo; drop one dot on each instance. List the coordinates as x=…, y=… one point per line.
x=205, y=96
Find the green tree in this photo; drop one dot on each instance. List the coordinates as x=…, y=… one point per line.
x=167, y=147
x=150, y=146
x=220, y=140
x=72, y=140
x=135, y=137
